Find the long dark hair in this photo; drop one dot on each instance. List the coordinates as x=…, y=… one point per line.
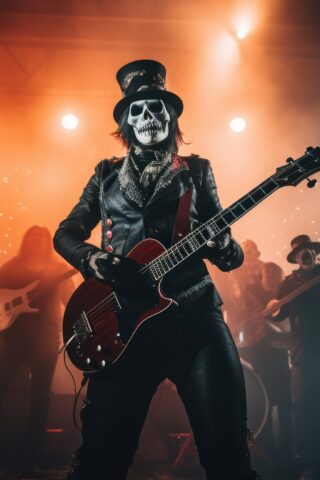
x=126, y=136
x=24, y=248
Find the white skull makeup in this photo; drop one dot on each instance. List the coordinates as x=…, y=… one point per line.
x=150, y=121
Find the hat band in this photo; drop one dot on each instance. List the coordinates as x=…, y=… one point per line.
x=150, y=87
x=128, y=78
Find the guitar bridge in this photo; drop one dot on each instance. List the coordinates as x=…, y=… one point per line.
x=82, y=328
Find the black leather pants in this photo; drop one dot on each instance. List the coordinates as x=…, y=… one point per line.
x=194, y=350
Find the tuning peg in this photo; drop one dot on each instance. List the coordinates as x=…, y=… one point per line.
x=289, y=160
x=309, y=149
x=311, y=182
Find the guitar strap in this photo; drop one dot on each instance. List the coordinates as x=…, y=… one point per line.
x=182, y=223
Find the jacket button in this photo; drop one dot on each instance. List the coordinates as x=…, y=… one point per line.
x=110, y=248
x=109, y=222
x=109, y=234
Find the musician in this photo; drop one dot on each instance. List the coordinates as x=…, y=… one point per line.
x=33, y=339
x=248, y=272
x=269, y=361
x=136, y=197
x=303, y=313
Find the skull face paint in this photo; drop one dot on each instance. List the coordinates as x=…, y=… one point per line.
x=150, y=121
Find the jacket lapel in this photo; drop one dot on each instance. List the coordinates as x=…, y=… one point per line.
x=172, y=185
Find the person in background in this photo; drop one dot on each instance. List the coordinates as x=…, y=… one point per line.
x=304, y=316
x=33, y=339
x=260, y=347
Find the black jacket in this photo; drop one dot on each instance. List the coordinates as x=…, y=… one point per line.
x=107, y=197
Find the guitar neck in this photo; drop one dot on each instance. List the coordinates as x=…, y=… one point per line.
x=209, y=230
x=291, y=296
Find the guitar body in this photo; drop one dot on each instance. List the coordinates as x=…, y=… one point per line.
x=15, y=302
x=99, y=322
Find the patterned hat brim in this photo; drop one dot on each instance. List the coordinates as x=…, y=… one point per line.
x=164, y=95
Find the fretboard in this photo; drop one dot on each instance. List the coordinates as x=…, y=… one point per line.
x=209, y=230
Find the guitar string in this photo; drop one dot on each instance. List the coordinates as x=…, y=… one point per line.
x=101, y=310
x=101, y=301
x=99, y=319
x=103, y=307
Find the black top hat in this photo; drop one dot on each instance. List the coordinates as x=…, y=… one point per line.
x=300, y=242
x=144, y=79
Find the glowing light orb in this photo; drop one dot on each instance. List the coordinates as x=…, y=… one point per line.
x=242, y=33
x=238, y=124
x=69, y=122
x=245, y=19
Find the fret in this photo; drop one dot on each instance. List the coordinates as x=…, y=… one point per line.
x=164, y=259
x=202, y=233
x=258, y=195
x=183, y=246
x=190, y=245
x=237, y=210
x=153, y=273
x=174, y=256
x=228, y=216
x=179, y=252
x=221, y=223
x=248, y=202
x=169, y=259
x=157, y=270
x=194, y=242
x=269, y=186
x=211, y=232
x=162, y=267
x=199, y=236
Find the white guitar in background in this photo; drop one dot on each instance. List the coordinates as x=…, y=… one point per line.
x=13, y=302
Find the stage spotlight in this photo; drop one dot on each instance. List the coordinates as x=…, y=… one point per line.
x=69, y=122
x=238, y=124
x=245, y=21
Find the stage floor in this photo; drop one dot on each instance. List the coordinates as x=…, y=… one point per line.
x=155, y=472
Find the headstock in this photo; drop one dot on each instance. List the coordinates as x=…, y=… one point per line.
x=297, y=170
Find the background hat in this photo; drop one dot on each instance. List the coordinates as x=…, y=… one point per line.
x=144, y=79
x=300, y=242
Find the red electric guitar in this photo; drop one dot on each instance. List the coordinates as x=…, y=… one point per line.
x=100, y=322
